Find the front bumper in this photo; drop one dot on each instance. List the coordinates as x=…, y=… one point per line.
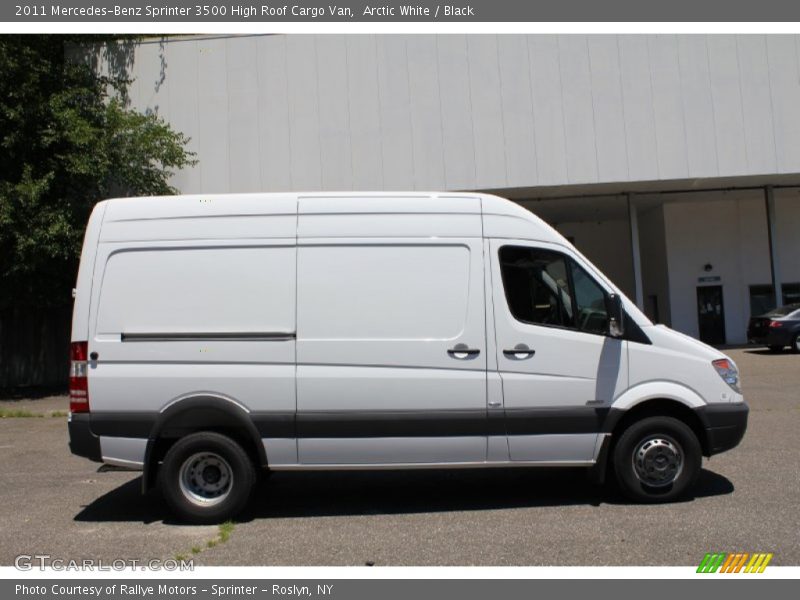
x=724, y=424
x=82, y=442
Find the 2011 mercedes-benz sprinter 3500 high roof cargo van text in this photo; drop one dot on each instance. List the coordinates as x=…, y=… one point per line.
x=214, y=337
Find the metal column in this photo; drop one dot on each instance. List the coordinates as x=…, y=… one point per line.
x=633, y=221
x=769, y=199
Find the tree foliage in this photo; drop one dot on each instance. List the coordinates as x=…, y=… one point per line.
x=67, y=140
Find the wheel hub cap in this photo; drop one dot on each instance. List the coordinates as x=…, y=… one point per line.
x=658, y=461
x=206, y=478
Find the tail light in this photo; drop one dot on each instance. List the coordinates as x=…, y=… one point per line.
x=775, y=324
x=78, y=377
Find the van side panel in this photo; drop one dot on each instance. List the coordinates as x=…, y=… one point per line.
x=376, y=318
x=181, y=318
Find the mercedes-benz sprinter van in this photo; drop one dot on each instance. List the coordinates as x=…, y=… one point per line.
x=215, y=337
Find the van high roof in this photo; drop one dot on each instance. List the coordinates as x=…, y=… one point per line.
x=502, y=218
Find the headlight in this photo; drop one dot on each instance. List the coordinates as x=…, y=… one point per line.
x=729, y=373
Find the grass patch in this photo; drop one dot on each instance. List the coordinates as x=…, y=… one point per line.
x=224, y=532
x=18, y=414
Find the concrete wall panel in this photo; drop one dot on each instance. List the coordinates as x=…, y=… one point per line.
x=306, y=112
x=274, y=125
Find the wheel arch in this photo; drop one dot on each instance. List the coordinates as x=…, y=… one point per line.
x=200, y=412
x=657, y=399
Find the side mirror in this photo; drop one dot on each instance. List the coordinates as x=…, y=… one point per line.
x=616, y=317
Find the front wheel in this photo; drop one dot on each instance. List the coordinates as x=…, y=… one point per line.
x=775, y=348
x=206, y=478
x=657, y=459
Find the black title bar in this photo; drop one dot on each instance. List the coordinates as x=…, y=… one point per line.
x=343, y=11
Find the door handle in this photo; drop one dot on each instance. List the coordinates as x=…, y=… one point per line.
x=519, y=352
x=463, y=351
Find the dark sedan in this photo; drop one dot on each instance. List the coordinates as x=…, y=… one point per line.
x=777, y=328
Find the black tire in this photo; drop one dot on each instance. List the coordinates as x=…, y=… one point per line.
x=187, y=478
x=654, y=444
x=796, y=343
x=775, y=348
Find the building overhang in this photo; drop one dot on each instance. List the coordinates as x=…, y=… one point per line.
x=658, y=186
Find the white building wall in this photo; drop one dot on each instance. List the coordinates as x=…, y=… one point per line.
x=302, y=112
x=728, y=231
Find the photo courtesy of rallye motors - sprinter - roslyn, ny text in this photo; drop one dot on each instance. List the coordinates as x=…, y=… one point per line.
x=243, y=11
x=145, y=591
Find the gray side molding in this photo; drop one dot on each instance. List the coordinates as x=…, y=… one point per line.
x=210, y=336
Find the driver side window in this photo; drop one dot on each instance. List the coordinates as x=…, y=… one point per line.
x=544, y=287
x=590, y=301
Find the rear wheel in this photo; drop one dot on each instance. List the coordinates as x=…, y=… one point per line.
x=796, y=343
x=206, y=477
x=775, y=348
x=657, y=459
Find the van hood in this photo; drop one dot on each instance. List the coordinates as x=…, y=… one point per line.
x=665, y=337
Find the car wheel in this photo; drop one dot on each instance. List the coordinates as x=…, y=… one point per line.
x=775, y=348
x=657, y=459
x=796, y=343
x=206, y=478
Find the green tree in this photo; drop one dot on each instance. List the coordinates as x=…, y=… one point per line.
x=67, y=140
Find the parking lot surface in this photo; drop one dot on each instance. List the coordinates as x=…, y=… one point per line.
x=746, y=500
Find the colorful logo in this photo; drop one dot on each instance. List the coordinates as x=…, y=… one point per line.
x=735, y=562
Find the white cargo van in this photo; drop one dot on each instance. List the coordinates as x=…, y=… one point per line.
x=214, y=337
